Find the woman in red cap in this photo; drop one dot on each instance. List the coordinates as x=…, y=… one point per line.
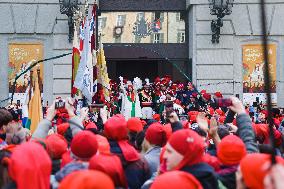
x=136, y=167
x=184, y=151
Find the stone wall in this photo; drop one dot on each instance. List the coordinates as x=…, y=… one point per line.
x=37, y=21
x=220, y=63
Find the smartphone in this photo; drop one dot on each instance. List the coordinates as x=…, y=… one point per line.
x=230, y=117
x=223, y=102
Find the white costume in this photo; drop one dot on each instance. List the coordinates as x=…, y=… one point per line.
x=130, y=108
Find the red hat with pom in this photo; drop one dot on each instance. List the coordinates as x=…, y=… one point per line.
x=156, y=135
x=84, y=145
x=56, y=146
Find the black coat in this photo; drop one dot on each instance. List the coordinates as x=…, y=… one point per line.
x=204, y=174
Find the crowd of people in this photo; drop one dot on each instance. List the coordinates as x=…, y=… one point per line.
x=162, y=135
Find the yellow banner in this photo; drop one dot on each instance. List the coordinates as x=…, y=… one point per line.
x=21, y=56
x=253, y=67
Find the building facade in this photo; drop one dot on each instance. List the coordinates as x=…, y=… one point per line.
x=184, y=43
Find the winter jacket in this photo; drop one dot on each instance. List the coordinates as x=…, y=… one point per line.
x=153, y=158
x=204, y=174
x=136, y=172
x=246, y=133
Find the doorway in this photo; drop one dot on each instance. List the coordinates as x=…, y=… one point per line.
x=130, y=69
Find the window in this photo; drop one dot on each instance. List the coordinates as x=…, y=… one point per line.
x=117, y=39
x=140, y=15
x=120, y=20
x=158, y=16
x=180, y=16
x=102, y=23
x=181, y=37
x=158, y=38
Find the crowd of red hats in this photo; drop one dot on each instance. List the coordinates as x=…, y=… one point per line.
x=203, y=151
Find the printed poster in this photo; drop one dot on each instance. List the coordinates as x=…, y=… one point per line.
x=21, y=56
x=253, y=76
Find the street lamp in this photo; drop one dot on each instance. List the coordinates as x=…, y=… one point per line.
x=68, y=7
x=219, y=8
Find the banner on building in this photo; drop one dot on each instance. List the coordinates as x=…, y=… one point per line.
x=253, y=76
x=21, y=56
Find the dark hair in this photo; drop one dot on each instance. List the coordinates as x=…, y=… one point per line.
x=223, y=131
x=5, y=117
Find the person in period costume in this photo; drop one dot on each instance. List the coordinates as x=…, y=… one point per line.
x=130, y=106
x=146, y=99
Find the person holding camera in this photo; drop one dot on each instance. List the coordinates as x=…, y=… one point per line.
x=46, y=124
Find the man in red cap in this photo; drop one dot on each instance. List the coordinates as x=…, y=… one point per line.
x=155, y=138
x=136, y=167
x=46, y=124
x=184, y=151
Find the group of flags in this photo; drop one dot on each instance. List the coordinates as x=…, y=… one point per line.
x=88, y=70
x=88, y=65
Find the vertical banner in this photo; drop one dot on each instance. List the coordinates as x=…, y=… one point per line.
x=253, y=77
x=21, y=56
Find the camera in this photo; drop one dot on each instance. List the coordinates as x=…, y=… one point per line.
x=59, y=104
x=223, y=102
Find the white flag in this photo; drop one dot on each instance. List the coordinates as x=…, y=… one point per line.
x=84, y=77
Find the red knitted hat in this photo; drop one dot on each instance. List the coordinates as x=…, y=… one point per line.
x=134, y=124
x=218, y=95
x=62, y=128
x=112, y=168
x=252, y=169
x=189, y=144
x=231, y=150
x=84, y=145
x=116, y=128
x=176, y=179
x=56, y=146
x=87, y=179
x=104, y=147
x=91, y=125
x=157, y=117
x=156, y=134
